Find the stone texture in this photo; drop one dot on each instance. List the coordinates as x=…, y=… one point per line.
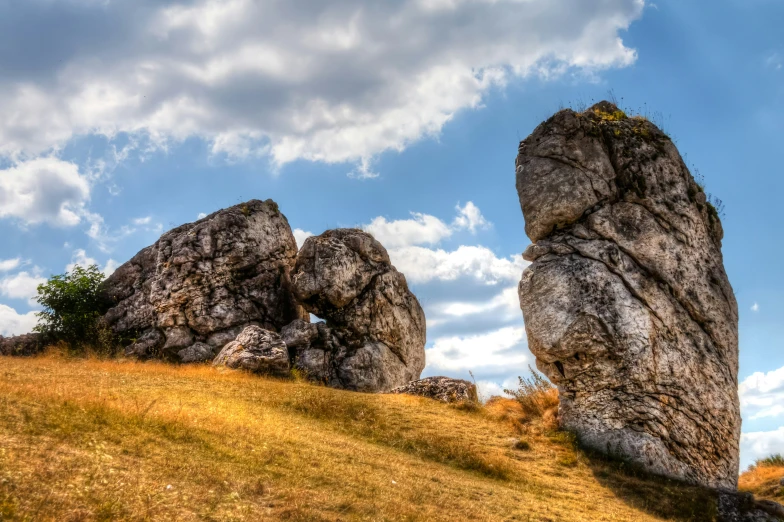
x=204, y=282
x=442, y=389
x=741, y=507
x=374, y=336
x=627, y=306
x=256, y=350
x=21, y=345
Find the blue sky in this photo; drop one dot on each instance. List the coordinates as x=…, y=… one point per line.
x=120, y=120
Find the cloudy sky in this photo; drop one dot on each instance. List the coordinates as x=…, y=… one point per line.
x=120, y=119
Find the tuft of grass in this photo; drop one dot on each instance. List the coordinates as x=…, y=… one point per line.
x=763, y=478
x=92, y=439
x=535, y=394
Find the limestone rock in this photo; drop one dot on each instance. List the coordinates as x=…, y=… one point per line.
x=21, y=345
x=204, y=282
x=195, y=353
x=256, y=350
x=741, y=507
x=442, y=389
x=627, y=306
x=374, y=336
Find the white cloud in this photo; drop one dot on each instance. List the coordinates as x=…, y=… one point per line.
x=422, y=265
x=469, y=217
x=762, y=394
x=23, y=285
x=322, y=81
x=6, y=265
x=301, y=235
x=81, y=258
x=14, y=323
x=420, y=229
x=424, y=229
x=142, y=221
x=755, y=307
x=201, y=215
x=498, y=350
x=761, y=444
x=44, y=190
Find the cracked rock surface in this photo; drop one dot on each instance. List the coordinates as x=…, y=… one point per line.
x=627, y=306
x=202, y=283
x=374, y=336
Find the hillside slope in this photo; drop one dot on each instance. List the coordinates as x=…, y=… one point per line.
x=93, y=440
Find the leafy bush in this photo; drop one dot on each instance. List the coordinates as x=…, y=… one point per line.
x=72, y=312
x=535, y=394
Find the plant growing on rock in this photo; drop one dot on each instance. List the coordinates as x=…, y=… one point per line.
x=72, y=310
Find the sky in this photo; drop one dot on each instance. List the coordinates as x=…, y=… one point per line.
x=121, y=119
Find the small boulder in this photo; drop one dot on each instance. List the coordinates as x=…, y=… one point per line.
x=442, y=389
x=21, y=345
x=256, y=350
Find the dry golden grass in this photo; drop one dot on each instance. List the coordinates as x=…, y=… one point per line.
x=764, y=479
x=112, y=440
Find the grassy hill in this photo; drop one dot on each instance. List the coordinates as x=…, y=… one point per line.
x=110, y=440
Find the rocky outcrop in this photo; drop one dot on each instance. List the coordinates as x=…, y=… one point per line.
x=202, y=283
x=442, y=389
x=374, y=336
x=21, y=345
x=256, y=350
x=742, y=507
x=627, y=306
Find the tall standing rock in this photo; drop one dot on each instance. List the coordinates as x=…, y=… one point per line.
x=627, y=306
x=374, y=338
x=203, y=282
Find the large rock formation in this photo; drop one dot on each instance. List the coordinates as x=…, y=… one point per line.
x=374, y=337
x=204, y=282
x=627, y=305
x=256, y=350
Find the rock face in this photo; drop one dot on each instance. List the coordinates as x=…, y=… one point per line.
x=256, y=350
x=627, y=306
x=442, y=389
x=202, y=283
x=21, y=345
x=374, y=336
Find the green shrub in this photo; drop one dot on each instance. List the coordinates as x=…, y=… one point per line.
x=72, y=310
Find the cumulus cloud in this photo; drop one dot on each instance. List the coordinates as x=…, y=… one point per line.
x=325, y=81
x=755, y=307
x=496, y=352
x=469, y=217
x=760, y=444
x=422, y=265
x=23, y=285
x=420, y=229
x=6, y=265
x=762, y=394
x=14, y=323
x=80, y=258
x=44, y=190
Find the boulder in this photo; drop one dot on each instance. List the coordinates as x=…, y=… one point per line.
x=374, y=336
x=442, y=389
x=256, y=350
x=735, y=506
x=627, y=306
x=21, y=345
x=204, y=282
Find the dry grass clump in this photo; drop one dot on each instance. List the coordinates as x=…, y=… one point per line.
x=85, y=439
x=764, y=478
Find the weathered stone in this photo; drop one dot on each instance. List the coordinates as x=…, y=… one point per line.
x=195, y=353
x=21, y=345
x=374, y=337
x=741, y=507
x=206, y=281
x=442, y=389
x=627, y=306
x=256, y=350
